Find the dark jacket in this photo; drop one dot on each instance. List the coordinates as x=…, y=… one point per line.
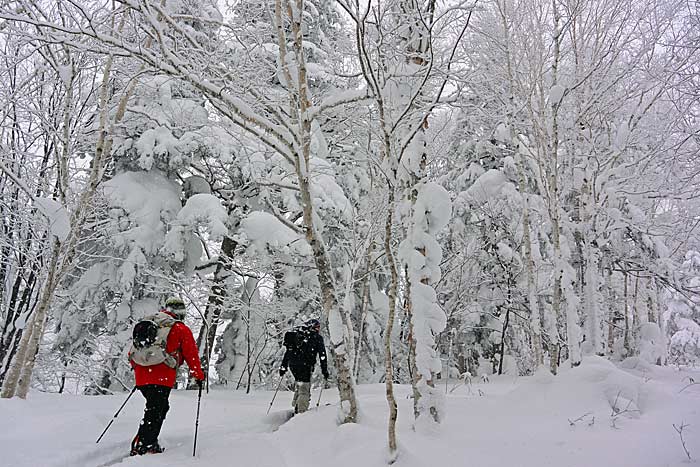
x=302, y=347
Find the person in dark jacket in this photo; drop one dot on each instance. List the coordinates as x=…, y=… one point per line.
x=156, y=381
x=303, y=345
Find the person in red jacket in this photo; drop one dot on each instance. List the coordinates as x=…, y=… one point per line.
x=155, y=380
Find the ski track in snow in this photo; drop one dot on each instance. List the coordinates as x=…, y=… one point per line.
x=509, y=422
x=117, y=460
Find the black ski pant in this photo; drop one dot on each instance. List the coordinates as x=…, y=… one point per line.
x=154, y=414
x=302, y=373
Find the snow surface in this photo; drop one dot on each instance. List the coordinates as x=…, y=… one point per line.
x=538, y=421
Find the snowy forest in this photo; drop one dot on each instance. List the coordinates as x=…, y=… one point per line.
x=460, y=191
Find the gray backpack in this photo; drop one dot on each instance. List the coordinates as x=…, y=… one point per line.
x=150, y=337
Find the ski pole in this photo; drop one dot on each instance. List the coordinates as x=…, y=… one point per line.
x=196, y=424
x=318, y=402
x=116, y=415
x=273, y=397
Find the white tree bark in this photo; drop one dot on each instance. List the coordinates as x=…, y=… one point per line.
x=572, y=327
x=340, y=335
x=533, y=305
x=18, y=379
x=388, y=361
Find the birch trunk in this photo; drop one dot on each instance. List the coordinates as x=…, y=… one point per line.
x=626, y=337
x=19, y=376
x=341, y=340
x=207, y=334
x=638, y=317
x=572, y=328
x=337, y=323
x=652, y=308
x=366, y=302
x=20, y=304
x=592, y=311
x=37, y=327
x=590, y=262
x=389, y=369
x=535, y=323
x=611, y=312
x=662, y=324
x=554, y=196
x=412, y=367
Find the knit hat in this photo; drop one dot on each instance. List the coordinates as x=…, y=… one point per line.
x=176, y=306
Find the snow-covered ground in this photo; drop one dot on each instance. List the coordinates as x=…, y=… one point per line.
x=507, y=422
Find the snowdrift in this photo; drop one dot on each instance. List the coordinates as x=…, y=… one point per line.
x=597, y=414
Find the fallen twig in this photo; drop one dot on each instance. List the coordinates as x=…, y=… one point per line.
x=690, y=383
x=679, y=430
x=581, y=418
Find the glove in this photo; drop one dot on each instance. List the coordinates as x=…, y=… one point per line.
x=200, y=383
x=326, y=375
x=283, y=370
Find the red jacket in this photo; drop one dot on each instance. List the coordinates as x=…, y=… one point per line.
x=181, y=344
